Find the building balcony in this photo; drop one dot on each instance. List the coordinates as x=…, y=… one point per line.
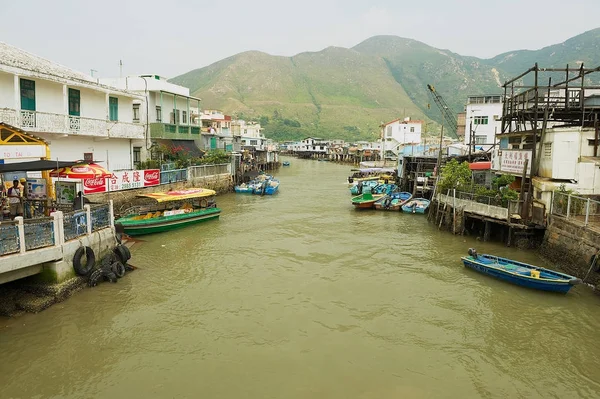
x=46, y=122
x=174, y=132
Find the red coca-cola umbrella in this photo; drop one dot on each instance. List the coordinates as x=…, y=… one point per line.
x=81, y=171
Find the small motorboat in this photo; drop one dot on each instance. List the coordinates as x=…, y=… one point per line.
x=267, y=187
x=247, y=188
x=366, y=200
x=286, y=163
x=358, y=188
x=416, y=205
x=393, y=202
x=385, y=189
x=520, y=273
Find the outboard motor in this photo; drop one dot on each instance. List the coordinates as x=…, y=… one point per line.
x=473, y=252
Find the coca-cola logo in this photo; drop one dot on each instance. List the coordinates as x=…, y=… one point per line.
x=154, y=175
x=93, y=183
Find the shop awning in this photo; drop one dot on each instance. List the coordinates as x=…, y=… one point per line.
x=186, y=146
x=34, y=166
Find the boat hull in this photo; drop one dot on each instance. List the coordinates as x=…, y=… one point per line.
x=412, y=207
x=243, y=190
x=543, y=284
x=166, y=223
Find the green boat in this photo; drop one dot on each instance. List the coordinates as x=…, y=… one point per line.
x=366, y=200
x=170, y=210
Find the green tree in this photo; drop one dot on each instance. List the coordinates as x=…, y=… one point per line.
x=455, y=175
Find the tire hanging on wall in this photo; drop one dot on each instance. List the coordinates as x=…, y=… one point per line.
x=90, y=257
x=118, y=269
x=122, y=253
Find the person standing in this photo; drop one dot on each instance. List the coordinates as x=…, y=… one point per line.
x=15, y=200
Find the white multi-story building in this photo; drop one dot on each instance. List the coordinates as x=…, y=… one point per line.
x=79, y=117
x=483, y=120
x=310, y=144
x=172, y=114
x=250, y=134
x=399, y=133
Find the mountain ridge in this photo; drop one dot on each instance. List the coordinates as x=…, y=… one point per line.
x=347, y=92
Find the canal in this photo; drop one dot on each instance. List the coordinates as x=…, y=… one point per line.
x=301, y=296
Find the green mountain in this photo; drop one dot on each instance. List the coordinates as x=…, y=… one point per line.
x=347, y=93
x=581, y=48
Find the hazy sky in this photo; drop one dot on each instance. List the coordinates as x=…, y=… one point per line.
x=174, y=36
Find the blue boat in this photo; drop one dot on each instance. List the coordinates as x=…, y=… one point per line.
x=286, y=163
x=246, y=188
x=416, y=205
x=267, y=187
x=384, y=189
x=358, y=188
x=520, y=273
x=393, y=202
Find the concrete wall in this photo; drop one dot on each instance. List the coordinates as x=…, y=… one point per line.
x=7, y=91
x=571, y=246
x=49, y=97
x=93, y=104
x=116, y=153
x=102, y=242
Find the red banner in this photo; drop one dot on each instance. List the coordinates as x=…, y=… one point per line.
x=122, y=180
x=151, y=177
x=94, y=186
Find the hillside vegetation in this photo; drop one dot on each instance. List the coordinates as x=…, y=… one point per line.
x=347, y=93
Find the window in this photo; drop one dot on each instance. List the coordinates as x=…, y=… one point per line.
x=253, y=142
x=184, y=117
x=158, y=113
x=175, y=117
x=412, y=129
x=74, y=102
x=137, y=155
x=480, y=139
x=113, y=108
x=389, y=131
x=27, y=95
x=136, y=112
x=547, y=150
x=480, y=120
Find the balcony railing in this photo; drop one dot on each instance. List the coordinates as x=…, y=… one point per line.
x=20, y=236
x=68, y=124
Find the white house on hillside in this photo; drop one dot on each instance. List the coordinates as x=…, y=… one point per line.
x=80, y=118
x=400, y=132
x=482, y=121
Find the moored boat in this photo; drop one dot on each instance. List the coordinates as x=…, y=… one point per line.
x=382, y=175
x=358, y=188
x=267, y=187
x=170, y=210
x=366, y=200
x=246, y=188
x=416, y=205
x=393, y=202
x=384, y=189
x=520, y=273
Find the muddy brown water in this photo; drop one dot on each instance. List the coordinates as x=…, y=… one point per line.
x=301, y=296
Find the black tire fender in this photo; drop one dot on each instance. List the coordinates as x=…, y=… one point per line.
x=118, y=269
x=90, y=257
x=122, y=253
x=94, y=278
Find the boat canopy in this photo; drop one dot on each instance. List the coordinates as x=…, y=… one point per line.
x=178, y=195
x=373, y=170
